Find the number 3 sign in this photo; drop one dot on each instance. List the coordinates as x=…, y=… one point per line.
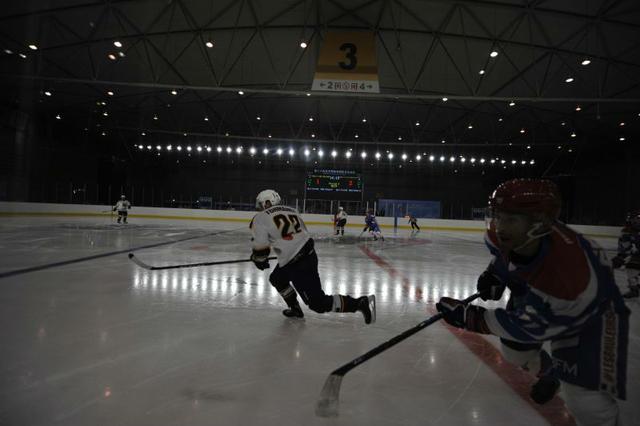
x=347, y=63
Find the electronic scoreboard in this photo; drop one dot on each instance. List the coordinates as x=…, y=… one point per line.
x=334, y=184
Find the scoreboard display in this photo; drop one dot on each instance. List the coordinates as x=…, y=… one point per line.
x=334, y=184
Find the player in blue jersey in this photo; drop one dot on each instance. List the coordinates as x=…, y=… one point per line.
x=373, y=226
x=629, y=253
x=562, y=291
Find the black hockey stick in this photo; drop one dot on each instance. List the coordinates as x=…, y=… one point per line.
x=327, y=405
x=186, y=265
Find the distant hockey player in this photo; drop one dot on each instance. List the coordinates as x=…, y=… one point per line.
x=414, y=222
x=122, y=206
x=373, y=226
x=366, y=223
x=340, y=220
x=282, y=228
x=629, y=254
x=562, y=292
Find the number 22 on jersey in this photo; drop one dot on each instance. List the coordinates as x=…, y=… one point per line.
x=288, y=225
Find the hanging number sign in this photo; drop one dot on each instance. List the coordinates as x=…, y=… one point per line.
x=347, y=63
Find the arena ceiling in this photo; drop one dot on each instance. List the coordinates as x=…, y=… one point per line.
x=145, y=72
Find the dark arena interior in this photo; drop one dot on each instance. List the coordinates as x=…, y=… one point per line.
x=175, y=173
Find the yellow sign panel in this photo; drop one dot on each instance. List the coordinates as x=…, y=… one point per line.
x=347, y=63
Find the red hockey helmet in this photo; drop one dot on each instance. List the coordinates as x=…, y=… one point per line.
x=527, y=196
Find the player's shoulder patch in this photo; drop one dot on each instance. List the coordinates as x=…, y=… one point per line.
x=564, y=273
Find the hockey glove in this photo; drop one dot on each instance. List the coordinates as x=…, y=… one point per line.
x=467, y=317
x=260, y=258
x=490, y=286
x=618, y=261
x=260, y=264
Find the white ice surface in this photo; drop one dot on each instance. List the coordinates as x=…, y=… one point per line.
x=103, y=342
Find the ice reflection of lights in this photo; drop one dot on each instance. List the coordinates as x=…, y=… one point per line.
x=436, y=293
x=357, y=289
x=194, y=282
x=165, y=280
x=297, y=353
x=342, y=288
x=154, y=281
x=328, y=287
x=372, y=288
x=384, y=292
x=184, y=282
x=204, y=280
x=397, y=292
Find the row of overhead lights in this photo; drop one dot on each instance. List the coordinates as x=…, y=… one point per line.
x=21, y=54
x=313, y=135
x=118, y=44
x=209, y=44
x=334, y=154
x=569, y=79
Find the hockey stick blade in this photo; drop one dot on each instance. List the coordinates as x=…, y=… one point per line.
x=327, y=405
x=328, y=402
x=140, y=263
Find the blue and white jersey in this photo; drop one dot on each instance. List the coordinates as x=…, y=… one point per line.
x=566, y=295
x=372, y=223
x=629, y=246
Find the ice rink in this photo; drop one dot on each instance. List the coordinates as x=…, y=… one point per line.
x=89, y=338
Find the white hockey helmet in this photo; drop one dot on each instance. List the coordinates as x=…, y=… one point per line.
x=267, y=195
x=340, y=208
x=122, y=197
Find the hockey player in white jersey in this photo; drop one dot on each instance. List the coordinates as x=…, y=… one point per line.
x=282, y=228
x=122, y=206
x=340, y=220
